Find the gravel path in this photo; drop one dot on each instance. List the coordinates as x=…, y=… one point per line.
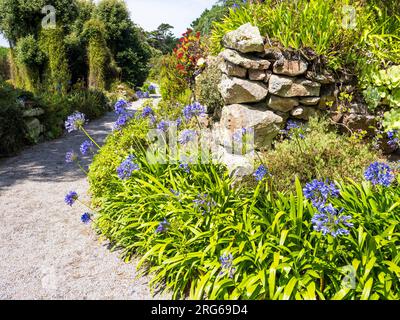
x=45, y=251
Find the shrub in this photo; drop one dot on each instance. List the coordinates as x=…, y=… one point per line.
x=207, y=92
x=4, y=64
x=118, y=146
x=92, y=103
x=172, y=85
x=57, y=108
x=319, y=154
x=12, y=127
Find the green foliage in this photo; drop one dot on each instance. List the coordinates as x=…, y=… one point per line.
x=57, y=108
x=276, y=253
x=108, y=159
x=98, y=53
x=392, y=120
x=52, y=43
x=172, y=84
x=92, y=103
x=323, y=26
x=12, y=127
x=205, y=22
x=382, y=86
x=207, y=92
x=321, y=154
x=29, y=53
x=4, y=64
x=127, y=43
x=19, y=19
x=162, y=39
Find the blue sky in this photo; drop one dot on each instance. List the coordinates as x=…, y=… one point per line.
x=149, y=14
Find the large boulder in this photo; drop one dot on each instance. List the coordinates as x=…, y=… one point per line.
x=282, y=104
x=245, y=39
x=244, y=61
x=265, y=124
x=236, y=90
x=288, y=87
x=290, y=68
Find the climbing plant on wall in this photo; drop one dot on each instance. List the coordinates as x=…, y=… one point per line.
x=52, y=44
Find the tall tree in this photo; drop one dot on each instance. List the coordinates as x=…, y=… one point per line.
x=163, y=39
x=125, y=40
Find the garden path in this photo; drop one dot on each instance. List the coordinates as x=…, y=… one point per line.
x=45, y=251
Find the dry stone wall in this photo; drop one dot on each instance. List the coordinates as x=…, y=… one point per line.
x=263, y=89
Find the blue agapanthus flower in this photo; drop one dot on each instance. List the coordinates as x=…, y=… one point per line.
x=152, y=88
x=70, y=157
x=319, y=192
x=127, y=167
x=330, y=220
x=75, y=122
x=260, y=173
x=204, y=203
x=185, y=167
x=163, y=126
x=226, y=261
x=120, y=107
x=86, y=218
x=293, y=128
x=379, y=173
x=122, y=121
x=163, y=226
x=394, y=140
x=187, y=136
x=193, y=110
x=179, y=122
x=70, y=198
x=147, y=112
x=86, y=146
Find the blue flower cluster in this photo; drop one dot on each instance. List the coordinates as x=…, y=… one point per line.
x=394, y=140
x=152, y=88
x=185, y=167
x=123, y=115
x=86, y=146
x=164, y=125
x=379, y=173
x=163, y=226
x=70, y=198
x=193, y=110
x=71, y=157
x=147, y=112
x=142, y=95
x=86, y=218
x=127, y=167
x=120, y=107
x=319, y=192
x=330, y=221
x=187, y=136
x=75, y=122
x=204, y=203
x=226, y=261
x=293, y=128
x=260, y=173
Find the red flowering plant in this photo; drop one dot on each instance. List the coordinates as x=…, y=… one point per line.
x=190, y=53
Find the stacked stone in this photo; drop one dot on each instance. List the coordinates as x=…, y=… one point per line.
x=262, y=89
x=33, y=125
